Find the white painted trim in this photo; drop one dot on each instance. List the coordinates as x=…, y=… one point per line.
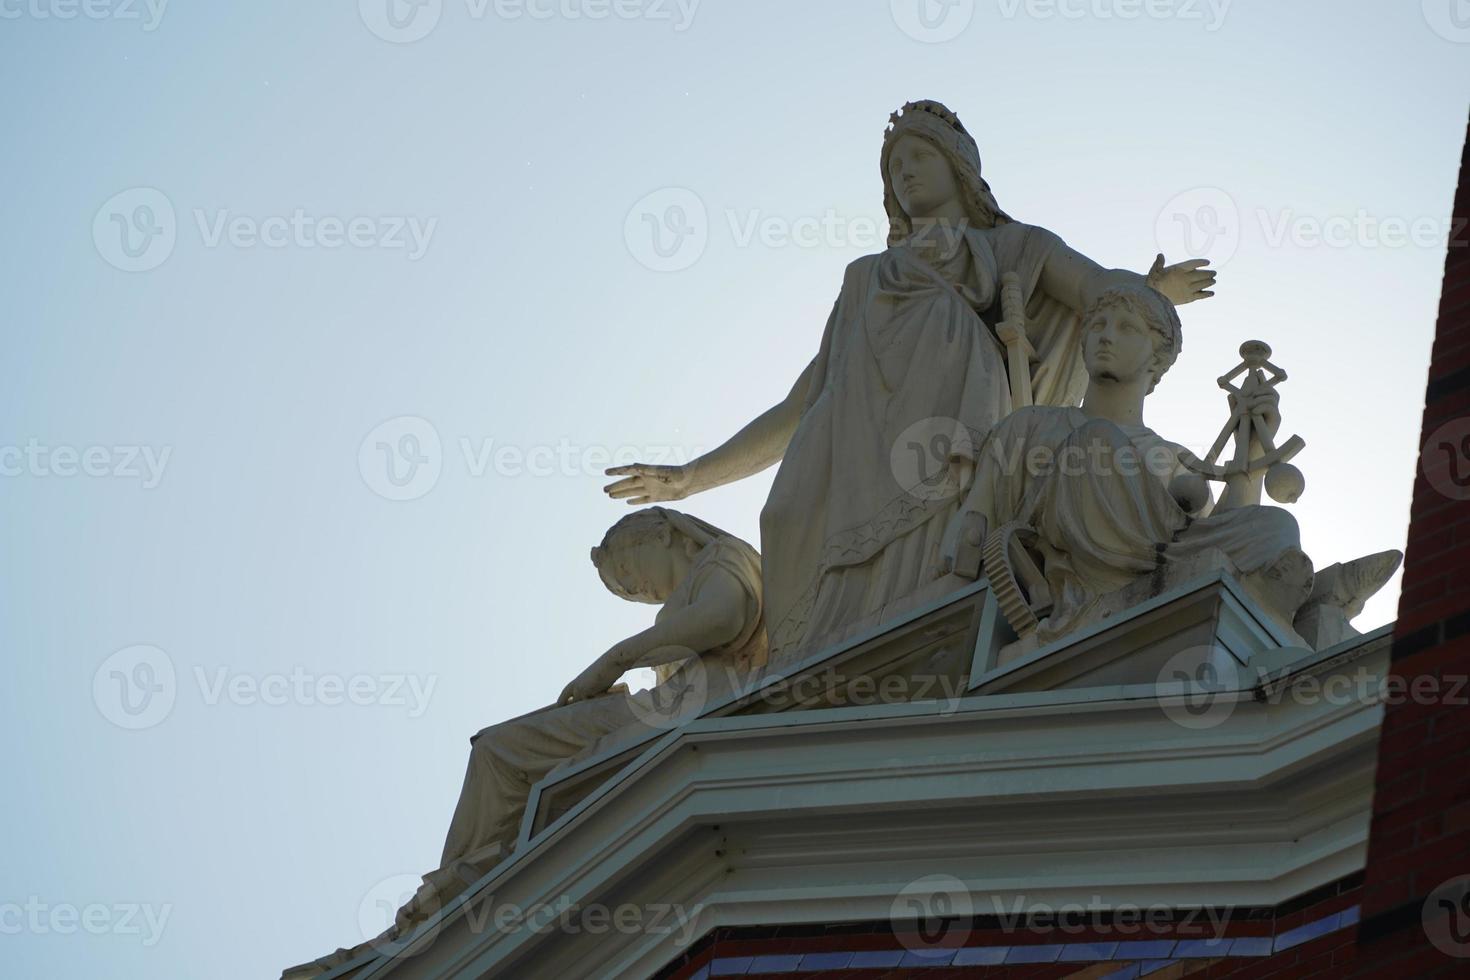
x=817, y=816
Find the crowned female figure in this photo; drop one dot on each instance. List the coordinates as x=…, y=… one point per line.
x=910, y=355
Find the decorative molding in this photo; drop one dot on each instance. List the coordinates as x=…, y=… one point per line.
x=1083, y=795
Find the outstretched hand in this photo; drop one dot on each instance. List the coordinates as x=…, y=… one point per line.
x=1183, y=282
x=646, y=483
x=593, y=682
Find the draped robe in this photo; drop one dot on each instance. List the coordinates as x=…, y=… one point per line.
x=1097, y=495
x=507, y=759
x=909, y=347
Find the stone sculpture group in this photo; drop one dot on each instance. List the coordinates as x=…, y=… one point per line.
x=1021, y=367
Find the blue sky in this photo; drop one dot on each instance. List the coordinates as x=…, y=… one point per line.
x=241, y=238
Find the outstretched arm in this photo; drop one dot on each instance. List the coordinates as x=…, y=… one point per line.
x=712, y=620
x=1076, y=280
x=752, y=449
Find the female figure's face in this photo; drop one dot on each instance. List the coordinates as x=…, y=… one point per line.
x=922, y=178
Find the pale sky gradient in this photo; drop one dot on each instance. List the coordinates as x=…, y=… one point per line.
x=518, y=147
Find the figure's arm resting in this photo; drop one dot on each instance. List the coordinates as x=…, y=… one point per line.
x=711, y=621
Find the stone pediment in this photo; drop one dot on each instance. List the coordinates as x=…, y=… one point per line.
x=1066, y=774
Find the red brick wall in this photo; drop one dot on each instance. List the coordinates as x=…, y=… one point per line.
x=1327, y=953
x=1421, y=809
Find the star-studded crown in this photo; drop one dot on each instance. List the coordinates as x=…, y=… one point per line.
x=929, y=106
